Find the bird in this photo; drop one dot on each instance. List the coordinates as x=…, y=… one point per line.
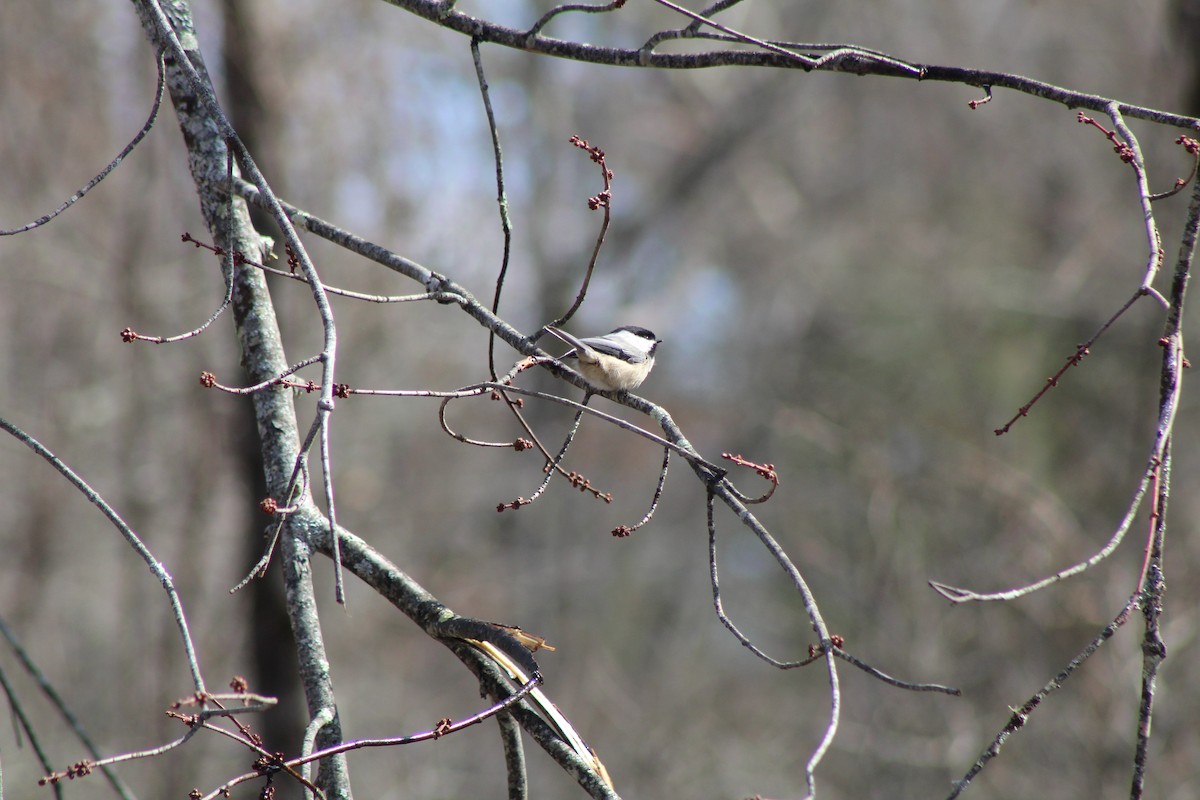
x=616, y=361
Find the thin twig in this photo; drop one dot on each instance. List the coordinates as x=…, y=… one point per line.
x=552, y=467
x=64, y=711
x=959, y=595
x=444, y=728
x=1020, y=715
x=23, y=728
x=158, y=97
x=621, y=531
x=602, y=201
x=718, y=488
x=506, y=229
x=805, y=61
x=1153, y=237
x=156, y=567
x=1073, y=360
x=879, y=674
x=565, y=7
x=243, y=260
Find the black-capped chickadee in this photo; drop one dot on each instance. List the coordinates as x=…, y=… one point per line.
x=620, y=360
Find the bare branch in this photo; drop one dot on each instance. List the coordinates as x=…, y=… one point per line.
x=1020, y=716
x=156, y=567
x=854, y=60
x=158, y=96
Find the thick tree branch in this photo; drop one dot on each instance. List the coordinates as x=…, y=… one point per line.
x=208, y=135
x=854, y=61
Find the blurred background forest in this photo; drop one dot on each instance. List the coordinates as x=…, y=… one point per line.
x=857, y=280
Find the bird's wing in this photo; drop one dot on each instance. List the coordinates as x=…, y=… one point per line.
x=608, y=345
x=611, y=345
x=566, y=337
x=602, y=344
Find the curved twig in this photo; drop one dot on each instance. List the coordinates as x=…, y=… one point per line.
x=158, y=97
x=565, y=7
x=134, y=541
x=621, y=531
